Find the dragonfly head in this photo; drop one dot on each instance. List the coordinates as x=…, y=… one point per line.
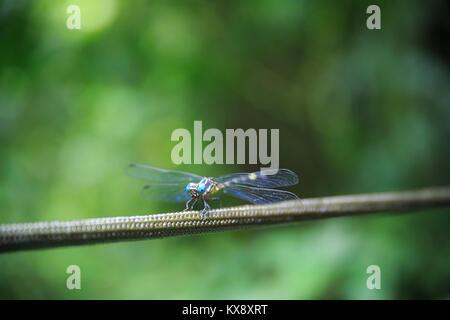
x=192, y=189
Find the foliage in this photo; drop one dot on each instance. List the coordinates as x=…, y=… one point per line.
x=358, y=111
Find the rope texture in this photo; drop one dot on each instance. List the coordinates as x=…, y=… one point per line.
x=22, y=236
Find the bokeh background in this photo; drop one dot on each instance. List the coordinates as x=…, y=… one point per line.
x=358, y=111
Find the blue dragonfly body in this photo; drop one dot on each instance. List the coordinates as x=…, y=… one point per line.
x=177, y=186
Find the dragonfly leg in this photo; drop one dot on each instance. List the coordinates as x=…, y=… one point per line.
x=189, y=205
x=193, y=203
x=205, y=210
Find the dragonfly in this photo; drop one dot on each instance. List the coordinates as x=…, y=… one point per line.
x=178, y=186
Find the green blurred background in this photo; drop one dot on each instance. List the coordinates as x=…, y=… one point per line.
x=358, y=111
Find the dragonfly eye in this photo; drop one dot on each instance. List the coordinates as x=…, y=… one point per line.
x=201, y=187
x=188, y=187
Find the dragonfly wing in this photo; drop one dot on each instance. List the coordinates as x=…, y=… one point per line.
x=266, y=179
x=153, y=174
x=259, y=195
x=166, y=192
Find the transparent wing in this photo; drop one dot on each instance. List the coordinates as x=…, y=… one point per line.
x=258, y=195
x=160, y=175
x=165, y=192
x=267, y=179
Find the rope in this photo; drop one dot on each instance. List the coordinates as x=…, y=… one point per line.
x=23, y=236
